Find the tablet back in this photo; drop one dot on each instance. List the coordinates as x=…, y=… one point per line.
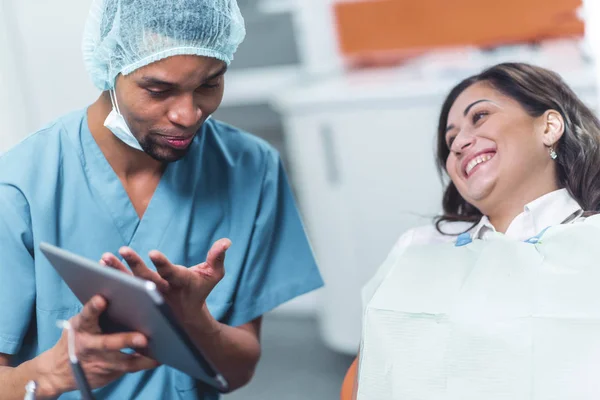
x=136, y=305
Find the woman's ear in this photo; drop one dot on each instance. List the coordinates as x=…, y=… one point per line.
x=554, y=127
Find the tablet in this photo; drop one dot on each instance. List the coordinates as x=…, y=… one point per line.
x=135, y=304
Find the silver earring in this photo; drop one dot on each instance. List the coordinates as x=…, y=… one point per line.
x=553, y=154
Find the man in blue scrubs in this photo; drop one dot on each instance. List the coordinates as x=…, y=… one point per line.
x=144, y=181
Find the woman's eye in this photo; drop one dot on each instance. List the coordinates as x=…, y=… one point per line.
x=450, y=141
x=478, y=115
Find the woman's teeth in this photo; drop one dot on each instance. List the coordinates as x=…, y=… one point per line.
x=476, y=161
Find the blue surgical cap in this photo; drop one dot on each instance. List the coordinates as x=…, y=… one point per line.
x=122, y=36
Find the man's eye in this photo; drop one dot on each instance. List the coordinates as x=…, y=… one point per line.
x=211, y=85
x=157, y=93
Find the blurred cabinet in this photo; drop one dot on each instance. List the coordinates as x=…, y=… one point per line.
x=270, y=58
x=267, y=60
x=270, y=39
x=362, y=151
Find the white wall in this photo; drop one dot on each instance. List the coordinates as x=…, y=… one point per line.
x=591, y=15
x=12, y=102
x=47, y=70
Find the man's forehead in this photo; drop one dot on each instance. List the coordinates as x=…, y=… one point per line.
x=184, y=67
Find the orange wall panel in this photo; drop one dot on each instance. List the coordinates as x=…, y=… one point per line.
x=368, y=27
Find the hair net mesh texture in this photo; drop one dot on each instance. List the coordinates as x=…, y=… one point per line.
x=124, y=35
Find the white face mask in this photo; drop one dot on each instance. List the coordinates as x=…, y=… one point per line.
x=117, y=125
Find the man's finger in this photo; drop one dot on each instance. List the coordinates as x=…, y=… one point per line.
x=214, y=267
x=117, y=361
x=172, y=273
x=216, y=254
x=135, y=262
x=87, y=319
x=113, y=342
x=139, y=363
x=139, y=269
x=143, y=352
x=110, y=260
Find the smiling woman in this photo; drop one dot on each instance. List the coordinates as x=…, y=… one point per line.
x=535, y=134
x=484, y=303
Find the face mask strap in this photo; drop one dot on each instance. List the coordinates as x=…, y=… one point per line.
x=113, y=100
x=113, y=92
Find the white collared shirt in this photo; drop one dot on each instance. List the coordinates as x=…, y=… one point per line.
x=550, y=209
x=553, y=208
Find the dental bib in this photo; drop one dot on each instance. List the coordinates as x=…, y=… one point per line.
x=497, y=319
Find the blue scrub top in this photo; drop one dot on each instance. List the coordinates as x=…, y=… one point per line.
x=56, y=186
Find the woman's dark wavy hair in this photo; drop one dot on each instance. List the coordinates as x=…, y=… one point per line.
x=536, y=90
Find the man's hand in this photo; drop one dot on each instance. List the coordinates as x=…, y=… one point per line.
x=100, y=355
x=184, y=289
x=235, y=351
